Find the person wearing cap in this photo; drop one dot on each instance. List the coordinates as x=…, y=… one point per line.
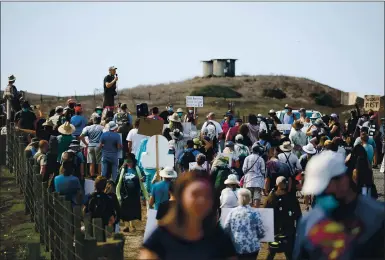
x=109, y=86
x=32, y=148
x=159, y=192
x=25, y=118
x=78, y=160
x=174, y=123
x=288, y=118
x=111, y=144
x=97, y=112
x=343, y=224
x=79, y=121
x=200, y=167
x=191, y=117
x=12, y=94
x=179, y=111
x=272, y=120
x=364, y=137
x=287, y=213
x=58, y=113
x=229, y=149
x=245, y=227
x=41, y=158
x=241, y=150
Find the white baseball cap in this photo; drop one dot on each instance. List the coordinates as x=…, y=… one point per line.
x=320, y=170
x=279, y=180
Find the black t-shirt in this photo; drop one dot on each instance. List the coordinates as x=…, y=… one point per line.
x=163, y=208
x=164, y=115
x=167, y=246
x=27, y=119
x=108, y=79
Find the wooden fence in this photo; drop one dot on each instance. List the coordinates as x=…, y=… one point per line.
x=56, y=220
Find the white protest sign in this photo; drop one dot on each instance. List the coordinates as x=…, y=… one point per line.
x=193, y=164
x=194, y=101
x=187, y=128
x=149, y=157
x=151, y=224
x=89, y=186
x=267, y=218
x=283, y=127
x=372, y=102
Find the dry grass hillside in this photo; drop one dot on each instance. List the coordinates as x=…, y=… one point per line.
x=250, y=95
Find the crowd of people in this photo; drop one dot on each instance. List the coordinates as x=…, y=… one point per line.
x=228, y=164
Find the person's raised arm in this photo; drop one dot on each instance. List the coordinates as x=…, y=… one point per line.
x=110, y=84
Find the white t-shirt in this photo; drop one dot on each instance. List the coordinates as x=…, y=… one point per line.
x=229, y=198
x=135, y=138
x=218, y=127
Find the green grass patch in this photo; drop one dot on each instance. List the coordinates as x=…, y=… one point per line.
x=216, y=91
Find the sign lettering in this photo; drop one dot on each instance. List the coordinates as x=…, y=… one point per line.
x=372, y=102
x=194, y=101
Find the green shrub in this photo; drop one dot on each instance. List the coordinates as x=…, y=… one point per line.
x=216, y=91
x=274, y=93
x=324, y=100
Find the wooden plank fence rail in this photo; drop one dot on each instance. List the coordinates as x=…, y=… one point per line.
x=58, y=222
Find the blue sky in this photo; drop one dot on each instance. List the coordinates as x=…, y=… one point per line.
x=66, y=47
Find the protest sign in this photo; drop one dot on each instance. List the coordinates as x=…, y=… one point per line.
x=267, y=218
x=150, y=127
x=283, y=127
x=194, y=101
x=151, y=224
x=372, y=102
x=156, y=155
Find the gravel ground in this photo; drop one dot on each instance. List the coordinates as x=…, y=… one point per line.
x=379, y=180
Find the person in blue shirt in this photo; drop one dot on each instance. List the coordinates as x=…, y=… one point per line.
x=288, y=118
x=159, y=192
x=79, y=121
x=111, y=144
x=370, y=141
x=67, y=184
x=187, y=156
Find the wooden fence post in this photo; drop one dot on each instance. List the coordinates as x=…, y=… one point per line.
x=33, y=251
x=79, y=236
x=60, y=222
x=44, y=219
x=56, y=225
x=98, y=227
x=69, y=230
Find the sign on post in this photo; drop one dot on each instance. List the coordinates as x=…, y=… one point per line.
x=372, y=102
x=194, y=101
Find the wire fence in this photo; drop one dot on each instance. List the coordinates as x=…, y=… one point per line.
x=64, y=230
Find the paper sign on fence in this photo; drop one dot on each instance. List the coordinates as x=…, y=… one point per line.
x=283, y=127
x=194, y=101
x=267, y=217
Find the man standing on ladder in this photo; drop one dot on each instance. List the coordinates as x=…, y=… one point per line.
x=109, y=86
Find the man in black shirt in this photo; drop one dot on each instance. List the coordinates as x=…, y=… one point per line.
x=109, y=86
x=25, y=118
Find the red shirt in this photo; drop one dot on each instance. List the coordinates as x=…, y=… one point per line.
x=155, y=117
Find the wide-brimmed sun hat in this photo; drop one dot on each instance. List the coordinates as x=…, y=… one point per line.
x=232, y=179
x=314, y=116
x=286, y=146
x=309, y=148
x=168, y=172
x=174, y=118
x=179, y=110
x=320, y=170
x=66, y=128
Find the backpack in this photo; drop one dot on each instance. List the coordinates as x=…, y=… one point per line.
x=223, y=173
x=211, y=132
x=128, y=186
x=188, y=157
x=264, y=155
x=98, y=206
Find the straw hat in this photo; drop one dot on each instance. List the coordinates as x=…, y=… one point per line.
x=286, y=146
x=66, y=129
x=309, y=148
x=174, y=118
x=232, y=179
x=168, y=172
